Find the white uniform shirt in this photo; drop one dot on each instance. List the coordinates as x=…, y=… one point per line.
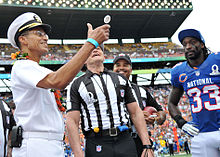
x=170, y=141
x=36, y=108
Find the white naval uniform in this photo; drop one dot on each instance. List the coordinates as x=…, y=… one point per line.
x=36, y=111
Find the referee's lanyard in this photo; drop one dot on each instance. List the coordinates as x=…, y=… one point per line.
x=105, y=92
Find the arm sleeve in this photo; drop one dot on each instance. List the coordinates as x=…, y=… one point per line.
x=129, y=97
x=26, y=73
x=75, y=99
x=152, y=102
x=175, y=77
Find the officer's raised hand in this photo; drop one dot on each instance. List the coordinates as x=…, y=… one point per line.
x=99, y=34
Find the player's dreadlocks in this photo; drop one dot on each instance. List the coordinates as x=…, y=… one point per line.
x=206, y=52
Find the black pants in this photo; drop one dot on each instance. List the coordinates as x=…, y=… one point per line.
x=171, y=149
x=187, y=150
x=105, y=146
x=139, y=145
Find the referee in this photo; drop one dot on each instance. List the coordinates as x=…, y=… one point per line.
x=123, y=65
x=103, y=100
x=6, y=124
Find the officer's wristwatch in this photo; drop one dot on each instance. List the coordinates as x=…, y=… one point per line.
x=147, y=146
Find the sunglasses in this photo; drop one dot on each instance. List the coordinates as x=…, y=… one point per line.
x=38, y=33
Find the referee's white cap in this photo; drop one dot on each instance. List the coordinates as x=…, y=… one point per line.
x=24, y=22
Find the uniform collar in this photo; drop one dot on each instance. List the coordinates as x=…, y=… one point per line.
x=89, y=73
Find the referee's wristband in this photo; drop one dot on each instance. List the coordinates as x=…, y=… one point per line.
x=147, y=146
x=93, y=42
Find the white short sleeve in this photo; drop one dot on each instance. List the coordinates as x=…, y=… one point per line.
x=28, y=73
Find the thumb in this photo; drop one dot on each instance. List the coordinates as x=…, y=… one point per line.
x=89, y=27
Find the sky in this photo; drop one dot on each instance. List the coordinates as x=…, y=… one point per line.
x=205, y=17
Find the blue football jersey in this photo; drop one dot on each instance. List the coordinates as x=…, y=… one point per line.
x=202, y=85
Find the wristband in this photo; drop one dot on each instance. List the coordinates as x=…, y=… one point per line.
x=93, y=42
x=147, y=146
x=180, y=121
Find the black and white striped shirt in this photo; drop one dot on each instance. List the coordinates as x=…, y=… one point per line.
x=88, y=95
x=144, y=98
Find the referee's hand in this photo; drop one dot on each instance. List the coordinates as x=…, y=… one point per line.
x=147, y=153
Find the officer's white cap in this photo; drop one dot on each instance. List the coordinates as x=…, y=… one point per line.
x=23, y=23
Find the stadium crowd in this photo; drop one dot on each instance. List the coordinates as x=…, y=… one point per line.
x=138, y=50
x=161, y=134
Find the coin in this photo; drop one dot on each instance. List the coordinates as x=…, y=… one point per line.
x=107, y=19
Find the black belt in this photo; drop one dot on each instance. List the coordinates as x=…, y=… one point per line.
x=108, y=132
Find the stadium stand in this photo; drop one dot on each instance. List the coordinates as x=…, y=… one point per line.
x=135, y=50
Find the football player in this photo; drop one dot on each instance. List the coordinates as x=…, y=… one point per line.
x=199, y=77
